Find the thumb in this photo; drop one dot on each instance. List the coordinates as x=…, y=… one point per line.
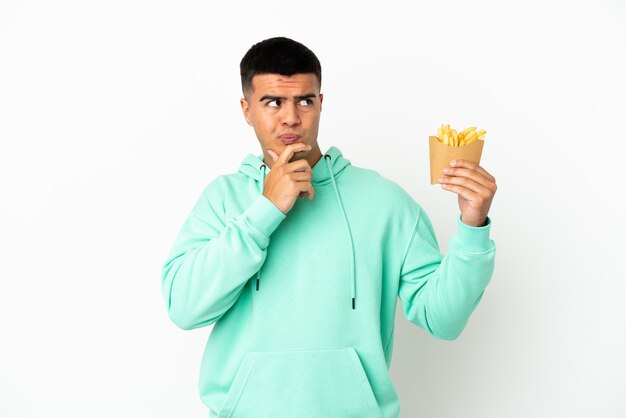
x=272, y=154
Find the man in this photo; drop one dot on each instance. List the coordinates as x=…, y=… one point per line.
x=298, y=260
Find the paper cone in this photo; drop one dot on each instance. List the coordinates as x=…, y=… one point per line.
x=441, y=155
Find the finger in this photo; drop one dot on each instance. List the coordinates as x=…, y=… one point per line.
x=463, y=182
x=272, y=154
x=475, y=175
x=467, y=173
x=474, y=166
x=299, y=165
x=300, y=176
x=311, y=191
x=461, y=191
x=304, y=187
x=290, y=150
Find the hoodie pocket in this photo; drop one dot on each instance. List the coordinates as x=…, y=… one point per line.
x=328, y=383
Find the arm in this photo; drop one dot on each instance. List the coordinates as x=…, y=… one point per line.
x=213, y=257
x=440, y=293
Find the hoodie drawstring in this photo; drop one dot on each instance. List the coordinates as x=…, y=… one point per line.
x=345, y=217
x=262, y=168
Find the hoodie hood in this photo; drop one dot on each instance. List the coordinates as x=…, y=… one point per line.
x=326, y=170
x=254, y=167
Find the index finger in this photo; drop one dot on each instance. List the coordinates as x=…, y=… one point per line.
x=474, y=166
x=291, y=149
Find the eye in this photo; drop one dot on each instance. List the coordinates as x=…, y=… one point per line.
x=306, y=102
x=275, y=101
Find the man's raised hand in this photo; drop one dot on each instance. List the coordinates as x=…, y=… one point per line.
x=288, y=180
x=475, y=187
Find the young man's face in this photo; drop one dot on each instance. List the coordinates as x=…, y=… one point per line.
x=284, y=110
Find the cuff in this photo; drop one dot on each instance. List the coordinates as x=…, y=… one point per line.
x=264, y=215
x=474, y=238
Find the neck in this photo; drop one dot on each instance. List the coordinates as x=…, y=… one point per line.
x=314, y=156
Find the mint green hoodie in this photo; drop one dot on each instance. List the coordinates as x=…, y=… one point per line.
x=303, y=304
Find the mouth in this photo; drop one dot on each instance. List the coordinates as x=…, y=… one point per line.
x=289, y=138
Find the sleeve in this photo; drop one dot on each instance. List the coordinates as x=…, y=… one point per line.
x=213, y=257
x=439, y=293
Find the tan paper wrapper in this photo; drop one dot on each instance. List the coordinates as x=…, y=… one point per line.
x=441, y=155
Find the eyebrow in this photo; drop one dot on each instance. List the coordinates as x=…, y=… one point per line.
x=306, y=96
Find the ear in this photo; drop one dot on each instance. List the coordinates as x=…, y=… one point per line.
x=321, y=98
x=245, y=108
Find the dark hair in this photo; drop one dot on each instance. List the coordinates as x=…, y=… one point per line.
x=279, y=55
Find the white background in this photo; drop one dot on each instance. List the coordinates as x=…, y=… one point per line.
x=114, y=116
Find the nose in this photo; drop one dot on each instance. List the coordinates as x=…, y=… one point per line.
x=290, y=115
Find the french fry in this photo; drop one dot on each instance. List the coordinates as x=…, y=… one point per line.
x=466, y=131
x=472, y=136
x=451, y=138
